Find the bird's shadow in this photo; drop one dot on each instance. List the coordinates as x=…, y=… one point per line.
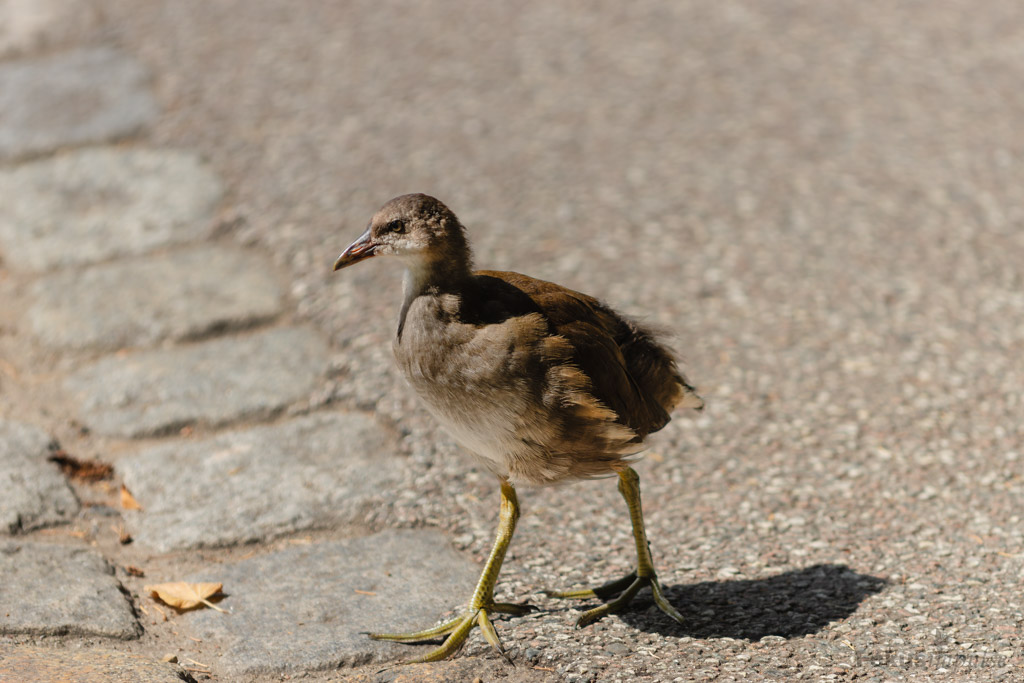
x=792, y=604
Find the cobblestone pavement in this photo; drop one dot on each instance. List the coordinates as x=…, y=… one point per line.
x=823, y=201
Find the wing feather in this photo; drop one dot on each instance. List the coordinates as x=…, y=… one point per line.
x=629, y=370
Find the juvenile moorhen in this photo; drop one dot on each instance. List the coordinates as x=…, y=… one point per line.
x=541, y=383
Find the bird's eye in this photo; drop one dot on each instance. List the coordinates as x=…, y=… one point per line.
x=396, y=226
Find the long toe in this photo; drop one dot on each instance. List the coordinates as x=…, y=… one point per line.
x=662, y=602
x=612, y=606
x=625, y=589
x=420, y=636
x=452, y=643
x=513, y=608
x=457, y=631
x=603, y=592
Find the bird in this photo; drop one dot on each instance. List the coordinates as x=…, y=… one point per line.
x=542, y=384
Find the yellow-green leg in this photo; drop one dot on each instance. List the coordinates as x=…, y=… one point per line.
x=627, y=587
x=482, y=604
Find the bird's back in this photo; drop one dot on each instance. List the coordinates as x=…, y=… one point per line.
x=629, y=370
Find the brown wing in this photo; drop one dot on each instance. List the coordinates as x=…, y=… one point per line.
x=629, y=370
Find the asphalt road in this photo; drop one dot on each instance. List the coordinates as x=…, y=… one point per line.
x=823, y=202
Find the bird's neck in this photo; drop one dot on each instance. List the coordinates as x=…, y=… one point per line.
x=432, y=275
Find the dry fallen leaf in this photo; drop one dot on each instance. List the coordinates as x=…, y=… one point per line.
x=83, y=470
x=128, y=501
x=183, y=595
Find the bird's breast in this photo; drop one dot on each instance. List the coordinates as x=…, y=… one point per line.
x=477, y=380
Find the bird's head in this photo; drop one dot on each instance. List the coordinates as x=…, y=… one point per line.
x=417, y=228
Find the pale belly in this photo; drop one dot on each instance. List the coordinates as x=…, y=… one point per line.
x=491, y=422
x=484, y=394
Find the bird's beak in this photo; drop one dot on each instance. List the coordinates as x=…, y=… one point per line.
x=359, y=250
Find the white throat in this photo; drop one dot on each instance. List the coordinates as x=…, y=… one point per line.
x=414, y=282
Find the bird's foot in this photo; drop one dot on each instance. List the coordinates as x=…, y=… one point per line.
x=626, y=589
x=458, y=630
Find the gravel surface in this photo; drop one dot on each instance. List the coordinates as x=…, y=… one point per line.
x=822, y=201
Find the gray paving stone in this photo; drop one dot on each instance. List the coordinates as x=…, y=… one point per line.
x=181, y=295
x=72, y=98
x=27, y=25
x=299, y=609
x=60, y=590
x=249, y=485
x=94, y=665
x=95, y=204
x=211, y=383
x=33, y=492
